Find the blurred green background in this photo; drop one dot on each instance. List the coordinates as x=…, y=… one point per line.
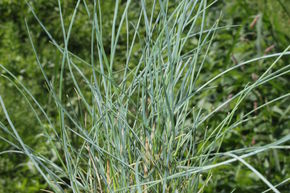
x=263, y=28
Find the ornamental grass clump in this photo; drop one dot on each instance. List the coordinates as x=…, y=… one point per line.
x=134, y=116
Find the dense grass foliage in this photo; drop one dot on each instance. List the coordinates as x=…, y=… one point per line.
x=144, y=96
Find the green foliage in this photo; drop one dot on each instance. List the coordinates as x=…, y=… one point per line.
x=137, y=110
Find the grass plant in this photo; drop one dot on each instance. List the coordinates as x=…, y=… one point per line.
x=139, y=124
